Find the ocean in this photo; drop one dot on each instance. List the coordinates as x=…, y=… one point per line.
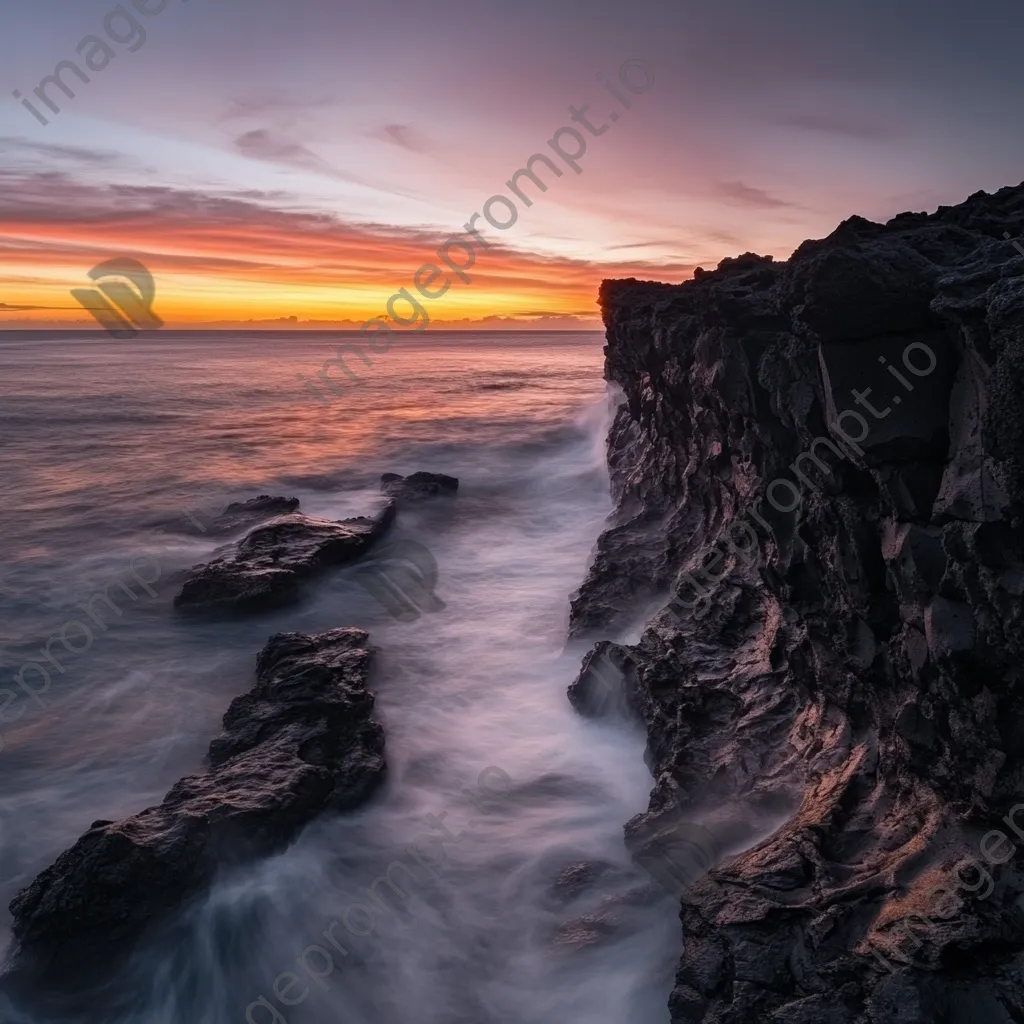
x=115, y=455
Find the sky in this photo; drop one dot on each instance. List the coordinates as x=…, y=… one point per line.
x=269, y=159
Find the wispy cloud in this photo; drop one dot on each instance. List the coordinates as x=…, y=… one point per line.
x=746, y=195
x=245, y=253
x=6, y=307
x=644, y=245
x=265, y=144
x=837, y=124
x=266, y=107
x=274, y=147
x=720, y=236
x=402, y=135
x=17, y=145
x=568, y=315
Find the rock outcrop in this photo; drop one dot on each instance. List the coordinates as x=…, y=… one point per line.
x=418, y=486
x=301, y=741
x=199, y=519
x=271, y=562
x=245, y=513
x=819, y=471
x=269, y=566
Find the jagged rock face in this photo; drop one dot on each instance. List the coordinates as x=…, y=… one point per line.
x=838, y=440
x=301, y=741
x=270, y=564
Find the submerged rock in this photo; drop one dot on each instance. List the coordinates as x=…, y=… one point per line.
x=301, y=741
x=270, y=563
x=819, y=467
x=586, y=931
x=577, y=878
x=417, y=486
x=616, y=917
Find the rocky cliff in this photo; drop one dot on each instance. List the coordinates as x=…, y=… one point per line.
x=819, y=474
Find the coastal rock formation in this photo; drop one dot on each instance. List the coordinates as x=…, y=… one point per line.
x=819, y=472
x=245, y=513
x=301, y=741
x=200, y=518
x=270, y=563
x=417, y=486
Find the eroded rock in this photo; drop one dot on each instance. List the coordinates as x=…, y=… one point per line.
x=300, y=742
x=858, y=665
x=270, y=564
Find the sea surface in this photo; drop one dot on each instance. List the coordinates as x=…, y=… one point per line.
x=105, y=449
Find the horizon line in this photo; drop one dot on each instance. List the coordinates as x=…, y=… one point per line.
x=150, y=334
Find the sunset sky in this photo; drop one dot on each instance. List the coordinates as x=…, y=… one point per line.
x=278, y=158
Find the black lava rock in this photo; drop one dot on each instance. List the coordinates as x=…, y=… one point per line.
x=301, y=741
x=819, y=473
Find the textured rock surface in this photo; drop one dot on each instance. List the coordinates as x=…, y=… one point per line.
x=200, y=517
x=269, y=564
x=846, y=674
x=245, y=513
x=302, y=740
x=417, y=486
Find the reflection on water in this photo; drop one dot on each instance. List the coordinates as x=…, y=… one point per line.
x=489, y=881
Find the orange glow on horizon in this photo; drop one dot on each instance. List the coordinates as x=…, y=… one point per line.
x=238, y=261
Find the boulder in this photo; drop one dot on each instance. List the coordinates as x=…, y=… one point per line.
x=269, y=564
x=300, y=742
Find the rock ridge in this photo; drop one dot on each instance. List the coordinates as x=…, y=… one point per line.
x=300, y=742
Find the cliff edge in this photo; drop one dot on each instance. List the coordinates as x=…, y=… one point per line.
x=819, y=473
